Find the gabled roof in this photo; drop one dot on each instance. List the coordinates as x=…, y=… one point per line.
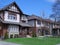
x=49, y=21
x=32, y=17
x=7, y=6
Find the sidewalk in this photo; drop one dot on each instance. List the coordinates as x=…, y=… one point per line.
x=7, y=43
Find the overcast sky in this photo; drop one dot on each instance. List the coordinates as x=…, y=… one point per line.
x=32, y=6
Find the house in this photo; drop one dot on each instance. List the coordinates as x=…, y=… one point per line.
x=56, y=29
x=44, y=27
x=13, y=22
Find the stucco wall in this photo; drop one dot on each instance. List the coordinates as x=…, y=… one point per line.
x=6, y=17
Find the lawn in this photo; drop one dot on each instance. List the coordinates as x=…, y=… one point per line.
x=35, y=41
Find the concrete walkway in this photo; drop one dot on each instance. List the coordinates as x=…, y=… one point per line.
x=58, y=44
x=7, y=43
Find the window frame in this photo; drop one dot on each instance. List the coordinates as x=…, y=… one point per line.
x=39, y=22
x=12, y=16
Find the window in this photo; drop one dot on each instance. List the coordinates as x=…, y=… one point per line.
x=12, y=17
x=38, y=22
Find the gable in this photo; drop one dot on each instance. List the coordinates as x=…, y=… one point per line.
x=13, y=8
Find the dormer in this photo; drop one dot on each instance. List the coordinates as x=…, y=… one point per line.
x=24, y=18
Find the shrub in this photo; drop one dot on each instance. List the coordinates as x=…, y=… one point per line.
x=33, y=34
x=6, y=36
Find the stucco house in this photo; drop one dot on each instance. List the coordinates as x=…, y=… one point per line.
x=13, y=21
x=17, y=24
x=44, y=27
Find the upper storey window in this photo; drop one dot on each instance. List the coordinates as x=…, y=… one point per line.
x=38, y=22
x=12, y=17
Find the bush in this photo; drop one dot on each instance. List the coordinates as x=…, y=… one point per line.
x=33, y=34
x=6, y=36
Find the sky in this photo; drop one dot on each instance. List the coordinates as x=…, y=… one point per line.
x=29, y=7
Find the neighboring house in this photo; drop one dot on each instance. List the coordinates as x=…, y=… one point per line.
x=13, y=22
x=56, y=29
x=43, y=26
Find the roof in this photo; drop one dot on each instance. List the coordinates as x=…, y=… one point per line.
x=49, y=21
x=32, y=17
x=16, y=23
x=25, y=24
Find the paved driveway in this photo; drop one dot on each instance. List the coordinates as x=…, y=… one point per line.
x=7, y=43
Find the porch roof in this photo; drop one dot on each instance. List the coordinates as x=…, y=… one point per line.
x=25, y=24
x=16, y=23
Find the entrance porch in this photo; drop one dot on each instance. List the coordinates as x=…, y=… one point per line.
x=56, y=32
x=24, y=31
x=43, y=31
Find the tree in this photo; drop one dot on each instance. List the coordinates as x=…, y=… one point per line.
x=56, y=11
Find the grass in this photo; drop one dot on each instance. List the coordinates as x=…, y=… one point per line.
x=35, y=41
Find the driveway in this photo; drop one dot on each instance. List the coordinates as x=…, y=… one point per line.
x=7, y=43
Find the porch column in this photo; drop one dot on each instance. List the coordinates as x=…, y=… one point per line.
x=25, y=31
x=30, y=31
x=13, y=35
x=44, y=32
x=58, y=31
x=51, y=30
x=37, y=32
x=9, y=35
x=20, y=32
